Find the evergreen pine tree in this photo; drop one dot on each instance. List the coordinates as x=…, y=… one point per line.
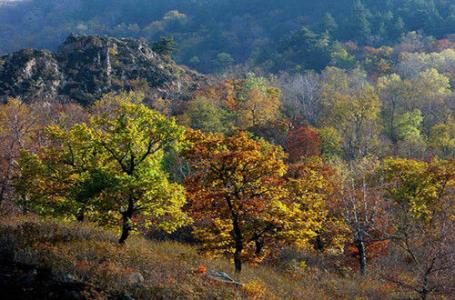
x=360, y=23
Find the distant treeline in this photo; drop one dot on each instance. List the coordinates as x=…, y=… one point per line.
x=213, y=36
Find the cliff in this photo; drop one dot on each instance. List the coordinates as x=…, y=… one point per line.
x=87, y=67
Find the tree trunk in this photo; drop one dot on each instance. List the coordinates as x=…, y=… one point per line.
x=318, y=244
x=238, y=257
x=424, y=291
x=259, y=243
x=424, y=295
x=2, y=193
x=126, y=221
x=80, y=216
x=362, y=256
x=237, y=235
x=126, y=227
x=238, y=244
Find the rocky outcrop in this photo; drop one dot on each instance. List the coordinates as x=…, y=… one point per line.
x=22, y=282
x=30, y=74
x=87, y=67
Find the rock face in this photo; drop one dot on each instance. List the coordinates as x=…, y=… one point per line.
x=87, y=67
x=30, y=74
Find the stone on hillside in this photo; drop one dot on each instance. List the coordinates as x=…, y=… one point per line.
x=135, y=278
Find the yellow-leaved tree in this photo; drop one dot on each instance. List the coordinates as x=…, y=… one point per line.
x=422, y=195
x=111, y=167
x=238, y=197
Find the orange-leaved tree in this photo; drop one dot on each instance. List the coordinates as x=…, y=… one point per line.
x=303, y=142
x=238, y=197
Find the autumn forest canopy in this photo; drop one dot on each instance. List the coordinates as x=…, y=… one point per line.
x=318, y=139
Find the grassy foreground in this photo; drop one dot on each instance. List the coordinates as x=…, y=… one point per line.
x=144, y=269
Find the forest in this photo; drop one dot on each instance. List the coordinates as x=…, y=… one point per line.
x=322, y=149
x=213, y=35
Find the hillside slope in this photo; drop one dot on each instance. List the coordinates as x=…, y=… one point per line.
x=44, y=259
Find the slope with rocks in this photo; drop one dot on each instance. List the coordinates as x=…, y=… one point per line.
x=87, y=67
x=51, y=259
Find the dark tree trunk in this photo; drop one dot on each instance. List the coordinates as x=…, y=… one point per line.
x=425, y=291
x=319, y=244
x=362, y=256
x=126, y=221
x=424, y=295
x=237, y=235
x=126, y=227
x=2, y=193
x=80, y=216
x=259, y=243
x=238, y=244
x=238, y=257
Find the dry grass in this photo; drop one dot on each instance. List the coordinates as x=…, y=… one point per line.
x=170, y=270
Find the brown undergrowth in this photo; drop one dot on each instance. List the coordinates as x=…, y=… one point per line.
x=145, y=269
